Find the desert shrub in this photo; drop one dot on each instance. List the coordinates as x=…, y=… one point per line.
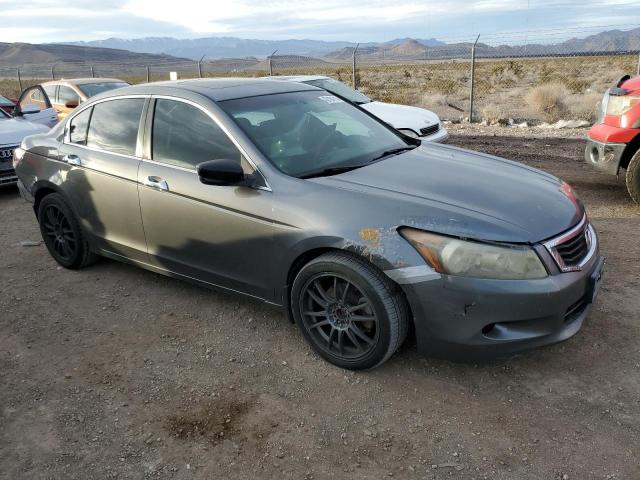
x=445, y=86
x=548, y=100
x=492, y=114
x=576, y=85
x=584, y=107
x=516, y=68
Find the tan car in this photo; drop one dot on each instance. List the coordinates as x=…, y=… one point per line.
x=66, y=94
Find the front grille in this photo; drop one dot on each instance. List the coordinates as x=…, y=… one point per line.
x=430, y=130
x=571, y=250
x=7, y=174
x=575, y=249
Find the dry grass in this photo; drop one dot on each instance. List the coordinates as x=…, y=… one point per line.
x=548, y=100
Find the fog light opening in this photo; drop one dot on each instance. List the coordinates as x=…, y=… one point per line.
x=487, y=329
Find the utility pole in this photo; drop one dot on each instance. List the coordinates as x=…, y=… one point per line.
x=270, y=64
x=355, y=79
x=53, y=75
x=19, y=79
x=147, y=73
x=638, y=69
x=473, y=72
x=93, y=74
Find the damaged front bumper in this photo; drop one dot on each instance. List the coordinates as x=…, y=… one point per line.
x=466, y=319
x=604, y=156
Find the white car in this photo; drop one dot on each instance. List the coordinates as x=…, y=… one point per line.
x=412, y=121
x=12, y=131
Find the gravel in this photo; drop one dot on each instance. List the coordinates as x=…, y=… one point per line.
x=116, y=372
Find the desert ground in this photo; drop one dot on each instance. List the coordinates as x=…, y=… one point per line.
x=116, y=372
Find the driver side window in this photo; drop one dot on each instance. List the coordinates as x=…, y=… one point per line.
x=185, y=136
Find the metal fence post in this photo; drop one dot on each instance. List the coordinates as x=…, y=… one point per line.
x=200, y=66
x=270, y=64
x=473, y=73
x=19, y=79
x=53, y=75
x=147, y=73
x=638, y=69
x=355, y=75
x=93, y=74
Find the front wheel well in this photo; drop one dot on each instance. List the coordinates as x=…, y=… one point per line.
x=39, y=195
x=309, y=255
x=632, y=147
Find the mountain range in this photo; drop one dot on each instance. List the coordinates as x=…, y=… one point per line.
x=232, y=47
x=17, y=54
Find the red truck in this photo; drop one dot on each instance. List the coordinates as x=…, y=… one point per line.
x=614, y=141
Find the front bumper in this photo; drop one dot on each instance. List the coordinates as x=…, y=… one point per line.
x=468, y=319
x=604, y=156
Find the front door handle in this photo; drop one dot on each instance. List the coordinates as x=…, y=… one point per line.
x=157, y=183
x=72, y=159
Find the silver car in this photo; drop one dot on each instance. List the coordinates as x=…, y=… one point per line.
x=288, y=194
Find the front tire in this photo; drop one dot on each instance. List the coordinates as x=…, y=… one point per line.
x=633, y=177
x=351, y=313
x=62, y=234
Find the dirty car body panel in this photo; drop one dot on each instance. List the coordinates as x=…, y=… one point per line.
x=251, y=239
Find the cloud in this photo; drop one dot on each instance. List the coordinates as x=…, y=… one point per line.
x=356, y=20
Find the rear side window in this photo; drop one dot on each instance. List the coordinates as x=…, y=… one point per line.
x=67, y=94
x=114, y=125
x=185, y=136
x=78, y=127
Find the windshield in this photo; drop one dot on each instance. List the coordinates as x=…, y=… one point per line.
x=339, y=88
x=306, y=132
x=91, y=89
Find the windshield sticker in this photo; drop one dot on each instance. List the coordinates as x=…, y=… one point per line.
x=330, y=99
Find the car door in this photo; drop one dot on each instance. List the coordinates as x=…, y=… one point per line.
x=34, y=105
x=221, y=235
x=67, y=99
x=102, y=149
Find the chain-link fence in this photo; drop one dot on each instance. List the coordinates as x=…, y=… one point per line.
x=538, y=81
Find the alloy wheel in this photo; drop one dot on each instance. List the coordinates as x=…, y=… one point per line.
x=339, y=316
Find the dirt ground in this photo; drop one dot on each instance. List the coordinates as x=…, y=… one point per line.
x=116, y=372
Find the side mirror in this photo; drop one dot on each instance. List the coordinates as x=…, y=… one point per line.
x=71, y=103
x=221, y=172
x=29, y=109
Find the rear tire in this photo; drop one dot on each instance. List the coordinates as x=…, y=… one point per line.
x=632, y=177
x=349, y=311
x=62, y=234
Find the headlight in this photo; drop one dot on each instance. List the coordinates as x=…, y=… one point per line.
x=18, y=154
x=618, y=105
x=472, y=259
x=409, y=133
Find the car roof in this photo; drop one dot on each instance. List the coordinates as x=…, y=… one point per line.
x=82, y=81
x=299, y=78
x=217, y=89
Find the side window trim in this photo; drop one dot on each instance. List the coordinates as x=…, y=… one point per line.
x=141, y=125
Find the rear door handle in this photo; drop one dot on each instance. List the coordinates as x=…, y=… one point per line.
x=72, y=159
x=157, y=183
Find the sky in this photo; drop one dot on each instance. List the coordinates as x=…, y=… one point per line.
x=498, y=21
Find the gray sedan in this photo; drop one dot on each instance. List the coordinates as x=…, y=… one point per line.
x=285, y=193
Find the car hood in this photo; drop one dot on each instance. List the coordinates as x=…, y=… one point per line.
x=13, y=130
x=402, y=116
x=458, y=192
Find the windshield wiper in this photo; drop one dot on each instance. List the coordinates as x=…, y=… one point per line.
x=326, y=172
x=393, y=151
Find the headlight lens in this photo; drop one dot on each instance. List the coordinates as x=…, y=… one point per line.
x=409, y=133
x=618, y=105
x=472, y=259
